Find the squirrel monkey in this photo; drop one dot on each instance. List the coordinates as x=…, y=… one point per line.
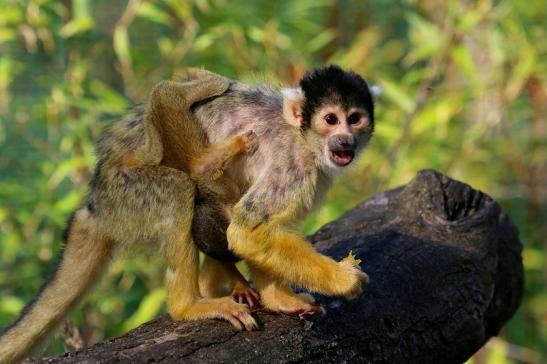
x=151, y=166
x=145, y=185
x=305, y=135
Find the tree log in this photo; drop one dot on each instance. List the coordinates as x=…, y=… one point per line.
x=445, y=273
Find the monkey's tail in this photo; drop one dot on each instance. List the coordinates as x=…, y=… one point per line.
x=86, y=254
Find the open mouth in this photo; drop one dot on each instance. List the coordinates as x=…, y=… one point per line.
x=342, y=157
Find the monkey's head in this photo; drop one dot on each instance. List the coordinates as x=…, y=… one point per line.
x=336, y=108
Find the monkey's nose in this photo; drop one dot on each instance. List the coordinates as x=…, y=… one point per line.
x=341, y=142
x=347, y=141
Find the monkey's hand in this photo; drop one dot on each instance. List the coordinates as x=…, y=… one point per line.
x=250, y=142
x=350, y=277
x=243, y=293
x=352, y=258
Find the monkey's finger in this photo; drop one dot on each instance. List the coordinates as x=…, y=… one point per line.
x=254, y=294
x=250, y=300
x=313, y=312
x=245, y=298
x=248, y=321
x=235, y=322
x=364, y=277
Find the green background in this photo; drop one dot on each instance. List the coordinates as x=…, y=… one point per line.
x=464, y=92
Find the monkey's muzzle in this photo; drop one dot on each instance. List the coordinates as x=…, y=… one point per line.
x=342, y=149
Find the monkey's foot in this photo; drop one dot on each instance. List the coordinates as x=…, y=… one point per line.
x=237, y=314
x=285, y=301
x=350, y=279
x=243, y=293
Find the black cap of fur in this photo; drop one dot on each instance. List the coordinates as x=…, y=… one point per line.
x=333, y=84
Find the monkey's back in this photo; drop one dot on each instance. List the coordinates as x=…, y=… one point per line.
x=131, y=144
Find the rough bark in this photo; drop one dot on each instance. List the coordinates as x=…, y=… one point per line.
x=445, y=273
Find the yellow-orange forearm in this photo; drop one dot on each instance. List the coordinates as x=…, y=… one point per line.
x=288, y=256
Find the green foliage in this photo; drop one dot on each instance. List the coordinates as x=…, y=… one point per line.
x=464, y=91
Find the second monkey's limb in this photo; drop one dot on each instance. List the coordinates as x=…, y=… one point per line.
x=279, y=297
x=169, y=112
x=207, y=169
x=216, y=195
x=218, y=279
x=212, y=162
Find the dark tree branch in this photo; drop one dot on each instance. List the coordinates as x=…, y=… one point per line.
x=446, y=274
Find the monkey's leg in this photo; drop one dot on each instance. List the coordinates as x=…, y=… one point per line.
x=279, y=297
x=181, y=95
x=217, y=278
x=86, y=254
x=287, y=256
x=184, y=301
x=213, y=280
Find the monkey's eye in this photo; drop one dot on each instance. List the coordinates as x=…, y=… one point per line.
x=331, y=119
x=354, y=118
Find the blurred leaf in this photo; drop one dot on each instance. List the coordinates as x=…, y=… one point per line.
x=77, y=26
x=462, y=58
x=321, y=40
x=151, y=12
x=426, y=37
x=497, y=353
x=64, y=170
x=109, y=99
x=397, y=95
x=121, y=45
x=183, y=8
x=434, y=116
x=9, y=69
x=524, y=68
x=11, y=305
x=11, y=14
x=148, y=309
x=68, y=203
x=533, y=259
x=7, y=35
x=80, y=9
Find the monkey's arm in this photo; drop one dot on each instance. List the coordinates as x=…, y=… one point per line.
x=269, y=243
x=211, y=163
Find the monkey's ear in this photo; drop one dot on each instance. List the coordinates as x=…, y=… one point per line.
x=292, y=105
